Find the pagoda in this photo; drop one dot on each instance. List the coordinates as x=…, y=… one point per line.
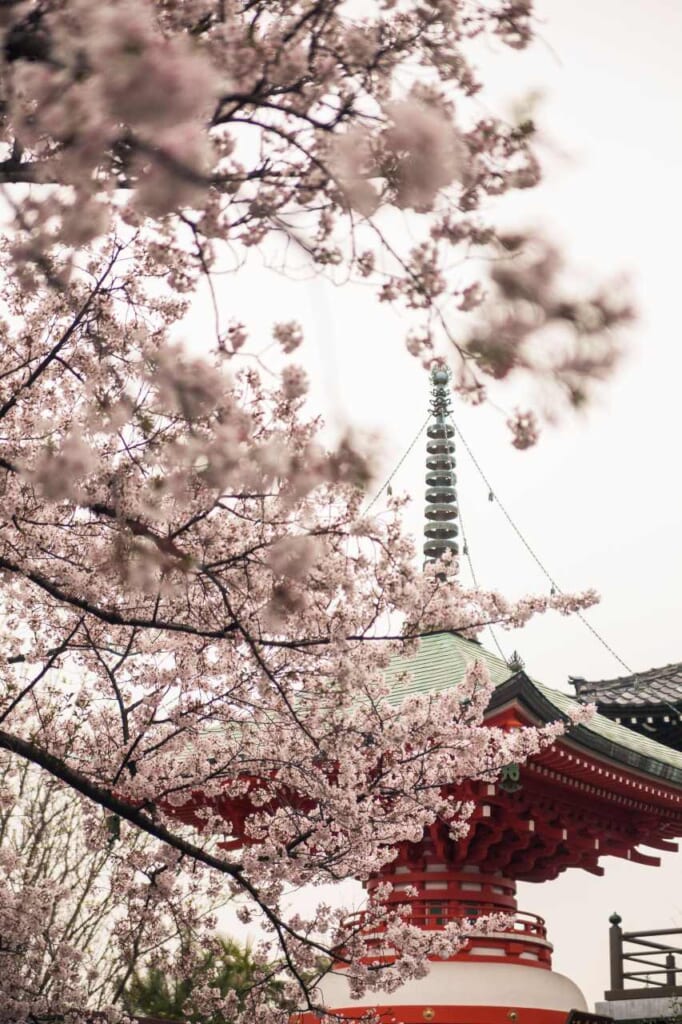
x=601, y=789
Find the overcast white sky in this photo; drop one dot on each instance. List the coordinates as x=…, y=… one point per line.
x=600, y=499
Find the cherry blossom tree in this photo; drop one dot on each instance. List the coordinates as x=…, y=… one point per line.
x=194, y=603
x=197, y=616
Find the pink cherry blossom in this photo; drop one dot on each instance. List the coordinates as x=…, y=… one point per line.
x=199, y=620
x=208, y=123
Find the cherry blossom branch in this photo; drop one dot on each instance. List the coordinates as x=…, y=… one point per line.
x=104, y=798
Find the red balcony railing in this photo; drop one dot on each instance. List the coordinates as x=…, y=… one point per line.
x=523, y=938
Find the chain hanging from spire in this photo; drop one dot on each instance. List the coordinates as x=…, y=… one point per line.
x=441, y=496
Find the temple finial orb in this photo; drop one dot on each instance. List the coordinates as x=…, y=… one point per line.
x=440, y=375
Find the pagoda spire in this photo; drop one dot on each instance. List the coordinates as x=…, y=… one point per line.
x=440, y=529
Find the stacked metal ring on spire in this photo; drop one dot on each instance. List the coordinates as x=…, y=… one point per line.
x=441, y=495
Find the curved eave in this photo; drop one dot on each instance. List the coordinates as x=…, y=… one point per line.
x=654, y=708
x=529, y=697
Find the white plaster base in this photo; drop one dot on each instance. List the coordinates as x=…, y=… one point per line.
x=469, y=984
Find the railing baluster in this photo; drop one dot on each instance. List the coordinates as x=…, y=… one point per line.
x=616, y=953
x=671, y=973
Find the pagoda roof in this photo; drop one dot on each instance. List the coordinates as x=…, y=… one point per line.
x=442, y=659
x=655, y=686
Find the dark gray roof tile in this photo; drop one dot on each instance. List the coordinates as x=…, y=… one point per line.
x=654, y=686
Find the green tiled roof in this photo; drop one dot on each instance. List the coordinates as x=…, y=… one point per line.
x=443, y=658
x=440, y=663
